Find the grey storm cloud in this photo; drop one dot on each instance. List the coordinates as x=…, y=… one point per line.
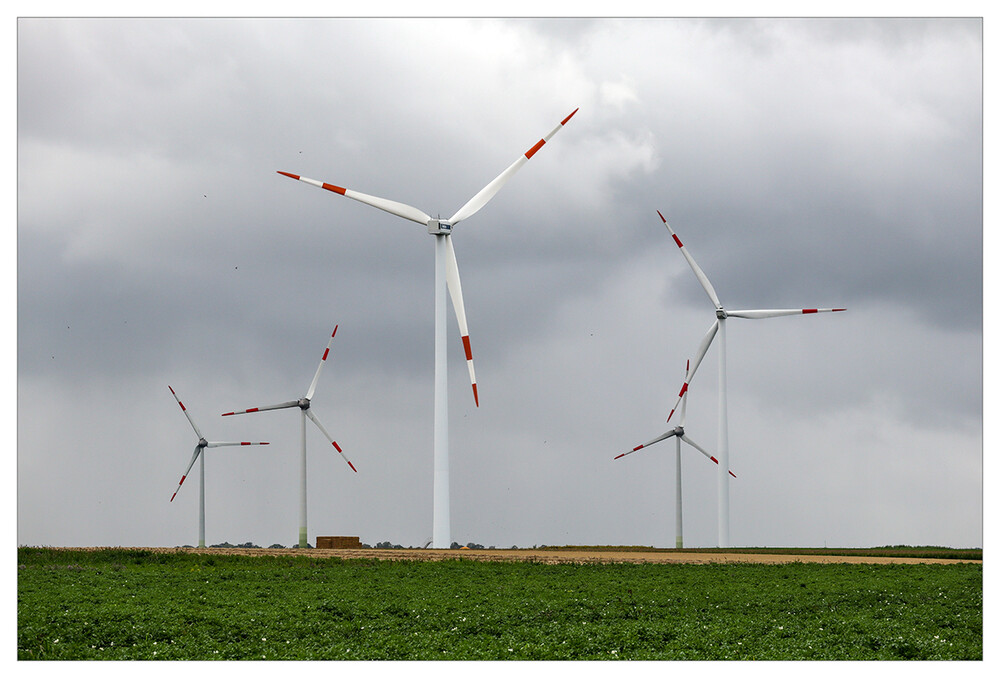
x=803, y=162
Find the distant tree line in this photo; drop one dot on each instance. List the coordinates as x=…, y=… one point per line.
x=379, y=545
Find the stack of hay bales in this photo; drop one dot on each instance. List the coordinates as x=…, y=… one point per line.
x=338, y=542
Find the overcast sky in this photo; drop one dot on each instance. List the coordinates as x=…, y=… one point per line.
x=804, y=163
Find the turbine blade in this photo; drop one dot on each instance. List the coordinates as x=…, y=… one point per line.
x=309, y=413
x=194, y=458
x=455, y=290
x=229, y=444
x=684, y=399
x=700, y=274
x=486, y=194
x=671, y=432
x=775, y=312
x=701, y=449
x=390, y=206
x=699, y=356
x=184, y=410
x=322, y=361
x=281, y=406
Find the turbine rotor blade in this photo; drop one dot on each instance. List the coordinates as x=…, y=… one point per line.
x=701, y=449
x=281, y=406
x=455, y=291
x=684, y=400
x=776, y=312
x=194, y=458
x=229, y=444
x=312, y=416
x=486, y=194
x=184, y=410
x=671, y=432
x=699, y=356
x=390, y=206
x=322, y=361
x=700, y=274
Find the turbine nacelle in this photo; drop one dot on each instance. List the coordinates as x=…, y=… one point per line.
x=202, y=442
x=439, y=227
x=303, y=403
x=721, y=314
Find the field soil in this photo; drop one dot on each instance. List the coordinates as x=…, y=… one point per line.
x=560, y=556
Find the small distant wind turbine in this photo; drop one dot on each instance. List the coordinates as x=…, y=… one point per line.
x=446, y=274
x=719, y=327
x=304, y=404
x=678, y=433
x=198, y=449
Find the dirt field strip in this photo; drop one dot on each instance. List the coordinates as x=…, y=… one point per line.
x=555, y=557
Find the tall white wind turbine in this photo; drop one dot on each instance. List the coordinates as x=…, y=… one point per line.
x=198, y=449
x=678, y=434
x=719, y=327
x=446, y=275
x=305, y=406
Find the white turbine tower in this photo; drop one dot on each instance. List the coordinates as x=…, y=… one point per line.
x=679, y=435
x=446, y=274
x=719, y=327
x=198, y=449
x=304, y=404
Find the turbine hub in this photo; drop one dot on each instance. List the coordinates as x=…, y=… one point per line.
x=304, y=403
x=438, y=227
x=721, y=314
x=679, y=430
x=202, y=442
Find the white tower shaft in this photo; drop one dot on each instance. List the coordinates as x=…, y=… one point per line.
x=678, y=517
x=723, y=446
x=303, y=531
x=201, y=503
x=442, y=506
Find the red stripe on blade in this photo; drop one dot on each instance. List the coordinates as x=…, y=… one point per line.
x=352, y=467
x=335, y=330
x=676, y=239
x=569, y=116
x=338, y=448
x=732, y=474
x=638, y=448
x=326, y=353
x=620, y=455
x=228, y=414
x=182, y=405
x=475, y=394
x=335, y=189
x=810, y=310
x=246, y=443
x=534, y=149
x=289, y=174
x=714, y=459
x=254, y=409
x=468, y=347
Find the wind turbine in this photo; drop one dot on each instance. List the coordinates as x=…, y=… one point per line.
x=445, y=275
x=198, y=449
x=304, y=404
x=678, y=434
x=719, y=327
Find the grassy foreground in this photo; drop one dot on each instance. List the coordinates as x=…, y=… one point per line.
x=135, y=604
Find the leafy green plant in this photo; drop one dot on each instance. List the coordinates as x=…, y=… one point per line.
x=134, y=604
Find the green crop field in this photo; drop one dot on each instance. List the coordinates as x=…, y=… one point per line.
x=135, y=604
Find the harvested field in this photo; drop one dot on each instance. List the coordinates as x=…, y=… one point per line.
x=603, y=555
